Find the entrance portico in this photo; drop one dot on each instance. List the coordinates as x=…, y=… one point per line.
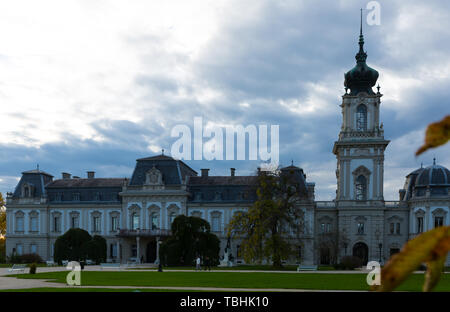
x=141, y=246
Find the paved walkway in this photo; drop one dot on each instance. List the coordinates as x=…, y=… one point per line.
x=12, y=283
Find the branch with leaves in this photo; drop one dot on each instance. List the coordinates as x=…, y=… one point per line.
x=430, y=247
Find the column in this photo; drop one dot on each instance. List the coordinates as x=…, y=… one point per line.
x=118, y=251
x=138, y=255
x=157, y=250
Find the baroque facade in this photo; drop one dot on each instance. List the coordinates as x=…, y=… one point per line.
x=135, y=214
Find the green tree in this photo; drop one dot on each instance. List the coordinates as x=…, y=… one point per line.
x=72, y=245
x=270, y=227
x=2, y=216
x=191, y=237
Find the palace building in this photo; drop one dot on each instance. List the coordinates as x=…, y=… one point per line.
x=134, y=214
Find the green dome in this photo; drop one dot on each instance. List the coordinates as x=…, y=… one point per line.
x=361, y=78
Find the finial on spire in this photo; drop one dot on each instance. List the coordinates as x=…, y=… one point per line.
x=37, y=167
x=360, y=28
x=434, y=161
x=162, y=152
x=292, y=162
x=378, y=88
x=421, y=165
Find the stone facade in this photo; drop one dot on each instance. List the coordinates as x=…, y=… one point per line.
x=135, y=214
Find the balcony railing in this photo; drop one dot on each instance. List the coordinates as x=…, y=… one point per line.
x=144, y=233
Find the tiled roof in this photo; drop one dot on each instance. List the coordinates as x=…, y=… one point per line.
x=95, y=182
x=222, y=180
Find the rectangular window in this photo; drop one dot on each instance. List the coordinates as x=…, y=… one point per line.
x=76, y=197
x=19, y=249
x=438, y=221
x=328, y=228
x=113, y=250
x=114, y=224
x=392, y=228
x=56, y=224
x=419, y=224
x=216, y=224
x=19, y=224
x=134, y=251
x=74, y=222
x=397, y=228
x=322, y=228
x=34, y=224
x=360, y=228
x=96, y=224
x=299, y=252
x=154, y=221
x=33, y=249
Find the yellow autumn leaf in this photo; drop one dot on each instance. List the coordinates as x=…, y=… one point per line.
x=427, y=247
x=433, y=274
x=437, y=133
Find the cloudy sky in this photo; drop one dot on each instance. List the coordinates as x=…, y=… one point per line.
x=94, y=85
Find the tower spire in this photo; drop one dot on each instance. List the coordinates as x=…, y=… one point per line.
x=361, y=55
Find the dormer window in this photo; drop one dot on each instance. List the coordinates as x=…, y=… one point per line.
x=76, y=197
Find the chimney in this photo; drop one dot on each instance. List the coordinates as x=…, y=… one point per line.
x=91, y=174
x=232, y=171
x=205, y=172
x=65, y=175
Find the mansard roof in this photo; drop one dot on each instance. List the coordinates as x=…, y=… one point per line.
x=87, y=183
x=174, y=172
x=36, y=179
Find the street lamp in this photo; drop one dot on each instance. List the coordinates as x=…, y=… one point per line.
x=380, y=245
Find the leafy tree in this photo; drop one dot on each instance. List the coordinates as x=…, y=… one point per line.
x=95, y=249
x=2, y=216
x=2, y=250
x=191, y=237
x=77, y=245
x=268, y=228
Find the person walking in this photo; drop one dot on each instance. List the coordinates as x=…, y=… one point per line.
x=197, y=264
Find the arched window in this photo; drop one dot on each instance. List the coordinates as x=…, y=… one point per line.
x=361, y=188
x=361, y=118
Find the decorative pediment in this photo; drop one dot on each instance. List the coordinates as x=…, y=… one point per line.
x=153, y=177
x=361, y=170
x=395, y=219
x=325, y=219
x=439, y=212
x=419, y=213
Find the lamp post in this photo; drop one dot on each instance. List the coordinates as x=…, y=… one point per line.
x=380, y=245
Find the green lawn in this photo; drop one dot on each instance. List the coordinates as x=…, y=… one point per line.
x=233, y=280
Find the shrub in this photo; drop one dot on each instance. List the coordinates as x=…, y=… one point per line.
x=30, y=258
x=350, y=263
x=33, y=268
